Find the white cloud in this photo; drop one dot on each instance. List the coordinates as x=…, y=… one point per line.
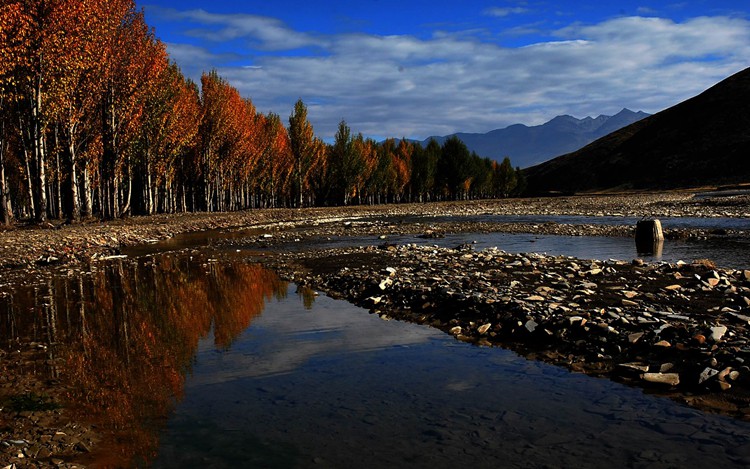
x=407, y=86
x=265, y=33
x=188, y=54
x=646, y=11
x=502, y=12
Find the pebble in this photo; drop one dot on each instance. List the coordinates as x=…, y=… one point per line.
x=718, y=332
x=484, y=328
x=707, y=374
x=671, y=379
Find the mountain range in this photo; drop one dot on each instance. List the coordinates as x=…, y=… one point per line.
x=702, y=141
x=527, y=146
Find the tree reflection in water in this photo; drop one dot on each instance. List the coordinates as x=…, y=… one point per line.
x=122, y=338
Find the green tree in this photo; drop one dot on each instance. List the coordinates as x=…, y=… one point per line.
x=424, y=170
x=482, y=176
x=505, y=178
x=303, y=148
x=453, y=167
x=346, y=164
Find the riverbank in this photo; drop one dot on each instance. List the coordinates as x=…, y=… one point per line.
x=32, y=248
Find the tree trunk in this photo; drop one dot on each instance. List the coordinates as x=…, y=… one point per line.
x=127, y=196
x=116, y=196
x=149, y=188
x=299, y=182
x=87, y=209
x=207, y=194
x=40, y=186
x=75, y=205
x=51, y=327
x=58, y=187
x=5, y=207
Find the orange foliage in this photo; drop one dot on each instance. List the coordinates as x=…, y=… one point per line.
x=15, y=33
x=139, y=330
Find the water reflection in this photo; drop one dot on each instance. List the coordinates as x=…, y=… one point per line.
x=652, y=248
x=334, y=386
x=122, y=339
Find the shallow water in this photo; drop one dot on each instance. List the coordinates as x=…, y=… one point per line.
x=709, y=223
x=727, y=253
x=333, y=386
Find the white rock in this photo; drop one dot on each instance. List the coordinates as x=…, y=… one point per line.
x=707, y=374
x=635, y=337
x=576, y=319
x=634, y=366
x=717, y=332
x=385, y=283
x=672, y=379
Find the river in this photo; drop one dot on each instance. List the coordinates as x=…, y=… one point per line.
x=730, y=252
x=205, y=360
x=202, y=358
x=333, y=386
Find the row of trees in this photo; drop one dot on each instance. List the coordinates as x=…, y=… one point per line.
x=360, y=170
x=96, y=121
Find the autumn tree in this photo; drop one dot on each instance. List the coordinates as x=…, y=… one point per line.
x=274, y=163
x=35, y=54
x=230, y=144
x=402, y=161
x=76, y=86
x=94, y=119
x=135, y=60
x=212, y=130
x=167, y=133
x=366, y=152
x=15, y=33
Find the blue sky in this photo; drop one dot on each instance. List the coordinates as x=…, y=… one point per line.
x=416, y=68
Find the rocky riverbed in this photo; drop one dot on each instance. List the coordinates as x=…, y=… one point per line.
x=677, y=329
x=31, y=248
x=680, y=329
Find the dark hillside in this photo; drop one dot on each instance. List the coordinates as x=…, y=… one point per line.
x=702, y=141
